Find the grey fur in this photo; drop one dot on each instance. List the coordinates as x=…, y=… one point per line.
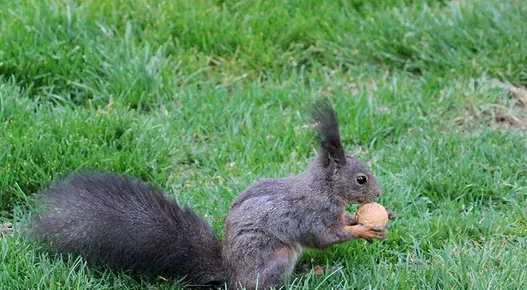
x=328, y=131
x=129, y=225
x=125, y=224
x=303, y=211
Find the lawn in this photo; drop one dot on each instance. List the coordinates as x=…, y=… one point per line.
x=204, y=97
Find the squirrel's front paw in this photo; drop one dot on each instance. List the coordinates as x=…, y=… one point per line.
x=349, y=219
x=391, y=215
x=367, y=232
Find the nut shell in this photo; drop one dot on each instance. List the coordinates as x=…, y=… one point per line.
x=372, y=214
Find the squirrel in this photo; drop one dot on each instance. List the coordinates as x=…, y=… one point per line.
x=126, y=224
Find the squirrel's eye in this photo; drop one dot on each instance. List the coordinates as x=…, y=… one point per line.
x=361, y=179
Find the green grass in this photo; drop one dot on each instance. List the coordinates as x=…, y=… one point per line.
x=204, y=97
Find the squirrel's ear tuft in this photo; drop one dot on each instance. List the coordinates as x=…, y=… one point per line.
x=325, y=121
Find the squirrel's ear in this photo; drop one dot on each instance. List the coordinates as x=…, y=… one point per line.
x=327, y=126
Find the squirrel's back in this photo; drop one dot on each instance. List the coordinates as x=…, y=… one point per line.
x=129, y=225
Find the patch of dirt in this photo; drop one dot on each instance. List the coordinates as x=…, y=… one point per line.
x=520, y=93
x=6, y=229
x=510, y=114
x=508, y=120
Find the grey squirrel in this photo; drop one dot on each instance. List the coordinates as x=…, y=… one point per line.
x=127, y=224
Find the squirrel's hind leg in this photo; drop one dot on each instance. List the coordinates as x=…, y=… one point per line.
x=273, y=273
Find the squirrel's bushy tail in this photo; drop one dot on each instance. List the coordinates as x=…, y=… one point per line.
x=128, y=225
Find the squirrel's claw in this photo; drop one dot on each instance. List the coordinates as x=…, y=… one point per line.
x=378, y=233
x=376, y=229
